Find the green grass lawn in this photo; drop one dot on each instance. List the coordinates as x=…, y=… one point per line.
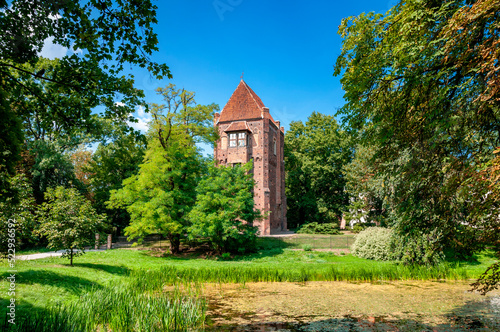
x=318, y=241
x=42, y=282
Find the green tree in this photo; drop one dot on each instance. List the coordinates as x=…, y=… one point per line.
x=101, y=37
x=109, y=166
x=19, y=211
x=224, y=212
x=420, y=83
x=68, y=221
x=163, y=192
x=314, y=156
x=11, y=138
x=369, y=191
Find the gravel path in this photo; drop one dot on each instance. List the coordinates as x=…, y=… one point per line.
x=46, y=254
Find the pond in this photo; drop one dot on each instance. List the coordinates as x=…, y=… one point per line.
x=342, y=306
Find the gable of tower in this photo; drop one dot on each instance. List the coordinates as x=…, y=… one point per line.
x=244, y=104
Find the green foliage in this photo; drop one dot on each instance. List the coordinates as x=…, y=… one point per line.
x=68, y=221
x=64, y=101
x=160, y=196
x=224, y=212
x=112, y=163
x=489, y=280
x=51, y=168
x=20, y=212
x=307, y=247
x=373, y=243
x=422, y=90
x=360, y=226
x=418, y=248
x=362, y=270
x=118, y=308
x=11, y=139
x=315, y=153
x=109, y=36
x=315, y=228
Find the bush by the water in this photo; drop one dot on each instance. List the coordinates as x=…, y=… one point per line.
x=421, y=249
x=316, y=228
x=373, y=243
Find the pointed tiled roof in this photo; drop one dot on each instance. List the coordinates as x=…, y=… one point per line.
x=244, y=104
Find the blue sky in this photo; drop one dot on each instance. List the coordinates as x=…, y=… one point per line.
x=287, y=51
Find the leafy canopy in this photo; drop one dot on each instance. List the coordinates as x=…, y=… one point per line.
x=421, y=85
x=315, y=153
x=224, y=212
x=68, y=221
x=163, y=192
x=58, y=100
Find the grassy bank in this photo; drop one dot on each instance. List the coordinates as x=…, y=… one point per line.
x=44, y=285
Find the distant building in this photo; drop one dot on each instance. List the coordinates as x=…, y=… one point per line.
x=248, y=132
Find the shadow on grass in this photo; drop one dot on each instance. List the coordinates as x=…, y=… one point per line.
x=113, y=269
x=266, y=247
x=72, y=284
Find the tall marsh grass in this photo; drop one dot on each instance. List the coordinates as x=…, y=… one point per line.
x=144, y=280
x=119, y=308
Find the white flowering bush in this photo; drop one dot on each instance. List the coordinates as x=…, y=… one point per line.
x=373, y=243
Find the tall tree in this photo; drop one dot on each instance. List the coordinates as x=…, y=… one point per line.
x=11, y=138
x=421, y=83
x=111, y=163
x=315, y=153
x=224, y=212
x=20, y=213
x=101, y=38
x=163, y=192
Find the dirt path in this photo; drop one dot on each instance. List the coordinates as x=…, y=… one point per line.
x=45, y=255
x=328, y=306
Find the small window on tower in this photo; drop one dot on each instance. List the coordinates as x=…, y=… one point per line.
x=242, y=139
x=232, y=140
x=274, y=147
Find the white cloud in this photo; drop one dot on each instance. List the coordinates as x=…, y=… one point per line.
x=140, y=112
x=142, y=118
x=141, y=125
x=51, y=50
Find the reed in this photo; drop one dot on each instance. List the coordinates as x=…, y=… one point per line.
x=148, y=280
x=118, y=308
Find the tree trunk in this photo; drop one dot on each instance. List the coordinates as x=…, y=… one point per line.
x=175, y=242
x=71, y=257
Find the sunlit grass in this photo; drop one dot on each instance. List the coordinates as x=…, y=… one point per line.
x=51, y=287
x=117, y=308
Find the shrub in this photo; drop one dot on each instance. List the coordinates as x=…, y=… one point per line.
x=373, y=243
x=316, y=228
x=421, y=248
x=358, y=227
x=307, y=247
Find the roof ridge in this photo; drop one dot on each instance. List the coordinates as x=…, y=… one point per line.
x=243, y=104
x=252, y=93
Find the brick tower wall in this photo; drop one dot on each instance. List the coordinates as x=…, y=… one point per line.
x=268, y=169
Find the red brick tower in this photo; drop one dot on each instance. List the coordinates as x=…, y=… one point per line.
x=247, y=131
